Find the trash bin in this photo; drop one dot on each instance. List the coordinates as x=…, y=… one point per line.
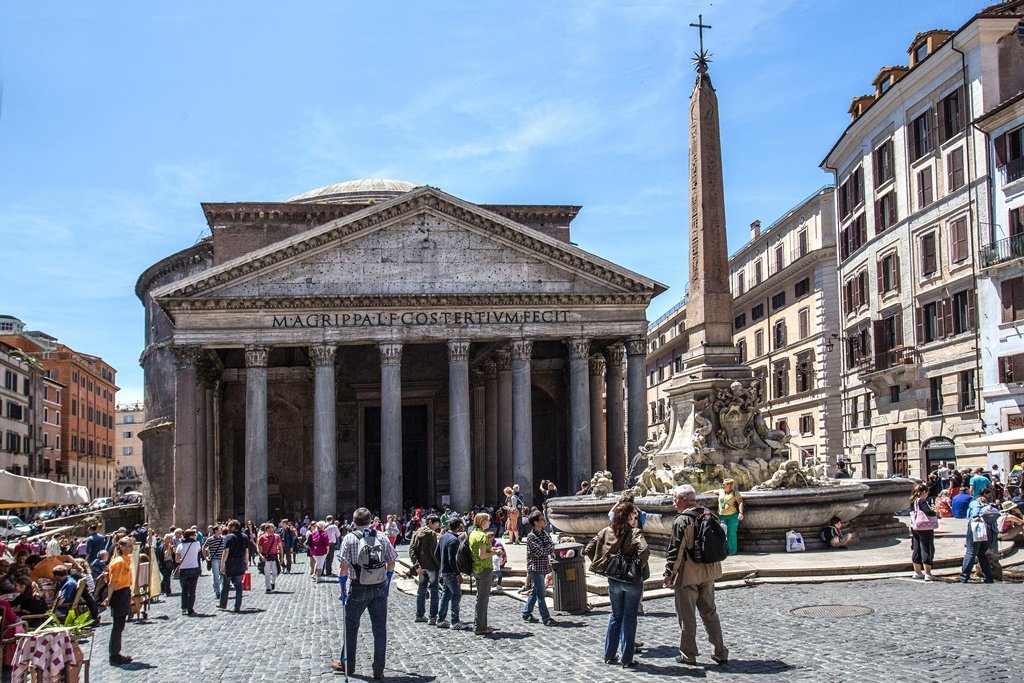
x=570, y=577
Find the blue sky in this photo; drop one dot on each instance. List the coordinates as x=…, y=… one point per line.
x=118, y=119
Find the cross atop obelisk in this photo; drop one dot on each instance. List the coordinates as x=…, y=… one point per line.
x=700, y=26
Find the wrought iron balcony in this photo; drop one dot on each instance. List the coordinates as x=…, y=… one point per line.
x=897, y=359
x=1002, y=250
x=1013, y=170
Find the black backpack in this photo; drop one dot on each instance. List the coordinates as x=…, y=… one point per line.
x=464, y=557
x=709, y=540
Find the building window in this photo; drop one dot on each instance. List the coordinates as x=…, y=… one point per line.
x=961, y=316
x=898, y=448
x=929, y=322
x=1011, y=294
x=929, y=254
x=802, y=288
x=885, y=212
x=889, y=273
x=855, y=412
x=654, y=412
x=935, y=396
x=778, y=300
x=804, y=322
x=651, y=378
x=852, y=237
x=851, y=193
x=779, y=259
x=958, y=248
x=661, y=410
x=740, y=321
x=1009, y=148
x=855, y=292
x=661, y=374
x=780, y=334
x=46, y=415
x=882, y=163
x=1011, y=369
x=741, y=285
x=924, y=187
x=955, y=169
x=127, y=435
x=920, y=139
x=758, y=272
x=951, y=114
x=802, y=246
x=758, y=343
x=58, y=418
x=894, y=393
x=965, y=395
x=804, y=372
x=807, y=424
x=867, y=410
x=756, y=313
x=780, y=380
x=741, y=351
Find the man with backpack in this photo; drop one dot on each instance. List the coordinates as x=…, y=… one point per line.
x=692, y=563
x=368, y=561
x=451, y=590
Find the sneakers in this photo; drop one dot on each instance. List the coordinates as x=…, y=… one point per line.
x=930, y=577
x=530, y=618
x=682, y=660
x=432, y=622
x=443, y=624
x=420, y=620
x=917, y=575
x=550, y=622
x=721, y=661
x=120, y=660
x=462, y=626
x=486, y=631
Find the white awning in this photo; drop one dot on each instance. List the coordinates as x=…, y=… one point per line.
x=1012, y=440
x=17, y=491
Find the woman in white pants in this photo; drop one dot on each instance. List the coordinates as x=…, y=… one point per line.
x=269, y=546
x=319, y=543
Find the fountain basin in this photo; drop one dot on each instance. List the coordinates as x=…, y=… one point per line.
x=768, y=514
x=885, y=498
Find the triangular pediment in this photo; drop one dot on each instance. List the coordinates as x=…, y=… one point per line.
x=422, y=243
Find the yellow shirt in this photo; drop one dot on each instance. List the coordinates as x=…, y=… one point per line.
x=120, y=573
x=728, y=503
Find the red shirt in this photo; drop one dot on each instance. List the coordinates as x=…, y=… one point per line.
x=268, y=544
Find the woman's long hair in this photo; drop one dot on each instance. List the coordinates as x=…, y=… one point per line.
x=620, y=519
x=918, y=490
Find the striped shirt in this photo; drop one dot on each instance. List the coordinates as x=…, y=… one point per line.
x=215, y=547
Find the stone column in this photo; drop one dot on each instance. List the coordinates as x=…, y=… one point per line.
x=479, y=414
x=211, y=447
x=522, y=419
x=256, y=433
x=491, y=494
x=597, y=432
x=185, y=414
x=391, y=428
x=325, y=431
x=504, y=365
x=615, y=425
x=202, y=442
x=636, y=396
x=460, y=454
x=579, y=411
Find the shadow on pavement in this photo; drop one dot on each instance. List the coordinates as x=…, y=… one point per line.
x=755, y=666
x=659, y=652
x=695, y=671
x=135, y=666
x=509, y=635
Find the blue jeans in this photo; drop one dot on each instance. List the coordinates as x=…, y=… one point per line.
x=427, y=581
x=218, y=580
x=360, y=599
x=625, y=600
x=451, y=592
x=236, y=581
x=537, y=596
x=976, y=551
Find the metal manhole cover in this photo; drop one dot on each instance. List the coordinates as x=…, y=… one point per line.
x=831, y=611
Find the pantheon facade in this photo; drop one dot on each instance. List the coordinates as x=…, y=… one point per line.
x=384, y=344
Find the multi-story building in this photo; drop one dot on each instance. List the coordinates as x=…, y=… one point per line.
x=912, y=183
x=15, y=418
x=1001, y=281
x=129, y=418
x=784, y=289
x=47, y=450
x=666, y=346
x=86, y=414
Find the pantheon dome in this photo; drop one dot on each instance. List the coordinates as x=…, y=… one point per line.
x=355, y=192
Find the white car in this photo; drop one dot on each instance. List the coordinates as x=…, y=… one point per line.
x=101, y=503
x=12, y=526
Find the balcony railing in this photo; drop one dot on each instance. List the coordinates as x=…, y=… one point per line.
x=1002, y=250
x=1013, y=170
x=886, y=360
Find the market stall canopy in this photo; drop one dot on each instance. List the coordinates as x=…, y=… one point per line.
x=17, y=491
x=1012, y=440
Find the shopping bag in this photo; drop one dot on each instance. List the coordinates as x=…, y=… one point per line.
x=247, y=581
x=794, y=542
x=979, y=530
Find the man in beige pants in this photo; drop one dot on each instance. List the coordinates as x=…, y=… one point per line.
x=694, y=582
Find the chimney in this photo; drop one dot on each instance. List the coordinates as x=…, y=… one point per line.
x=755, y=230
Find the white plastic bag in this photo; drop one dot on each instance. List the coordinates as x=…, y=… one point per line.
x=794, y=542
x=979, y=530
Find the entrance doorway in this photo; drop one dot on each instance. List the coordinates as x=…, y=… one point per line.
x=549, y=449
x=415, y=456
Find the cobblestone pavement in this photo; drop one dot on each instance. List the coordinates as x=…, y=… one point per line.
x=914, y=634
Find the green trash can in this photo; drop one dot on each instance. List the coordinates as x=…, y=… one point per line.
x=570, y=583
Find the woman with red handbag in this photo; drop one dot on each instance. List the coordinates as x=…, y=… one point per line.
x=923, y=523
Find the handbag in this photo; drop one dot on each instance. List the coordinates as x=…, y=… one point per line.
x=979, y=530
x=920, y=521
x=246, y=581
x=623, y=567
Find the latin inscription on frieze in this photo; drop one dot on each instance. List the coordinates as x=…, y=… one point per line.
x=418, y=318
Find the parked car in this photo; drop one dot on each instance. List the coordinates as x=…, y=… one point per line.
x=12, y=526
x=100, y=503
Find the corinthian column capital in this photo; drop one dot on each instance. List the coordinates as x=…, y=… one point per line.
x=616, y=354
x=458, y=350
x=636, y=346
x=256, y=356
x=186, y=357
x=503, y=360
x=522, y=349
x=323, y=355
x=579, y=349
x=597, y=365
x=390, y=353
